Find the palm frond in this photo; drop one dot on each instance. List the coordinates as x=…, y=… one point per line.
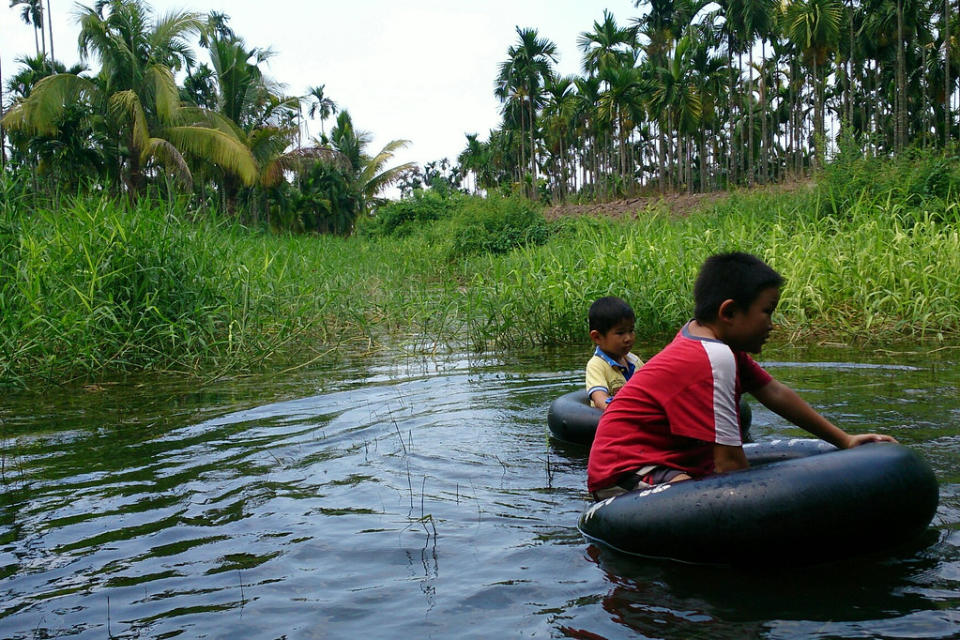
x=217, y=148
x=163, y=88
x=300, y=161
x=197, y=116
x=373, y=166
x=40, y=112
x=169, y=30
x=379, y=182
x=266, y=143
x=170, y=158
x=125, y=107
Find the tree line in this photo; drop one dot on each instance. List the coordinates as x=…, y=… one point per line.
x=699, y=95
x=224, y=133
x=688, y=95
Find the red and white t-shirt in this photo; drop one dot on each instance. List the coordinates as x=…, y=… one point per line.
x=674, y=409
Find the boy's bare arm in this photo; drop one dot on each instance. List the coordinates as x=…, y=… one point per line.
x=727, y=458
x=599, y=398
x=784, y=401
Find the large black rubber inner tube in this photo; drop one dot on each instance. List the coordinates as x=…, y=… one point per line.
x=810, y=504
x=573, y=419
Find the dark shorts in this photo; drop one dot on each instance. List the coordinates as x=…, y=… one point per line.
x=636, y=480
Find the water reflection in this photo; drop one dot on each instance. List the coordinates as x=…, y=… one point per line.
x=414, y=497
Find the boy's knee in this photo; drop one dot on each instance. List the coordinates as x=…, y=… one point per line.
x=641, y=479
x=609, y=492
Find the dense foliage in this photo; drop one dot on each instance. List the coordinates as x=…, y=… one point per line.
x=692, y=95
x=226, y=134
x=151, y=223
x=461, y=226
x=90, y=286
x=684, y=95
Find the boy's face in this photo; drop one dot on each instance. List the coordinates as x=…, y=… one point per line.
x=749, y=329
x=616, y=342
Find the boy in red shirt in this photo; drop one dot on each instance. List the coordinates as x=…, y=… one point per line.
x=678, y=416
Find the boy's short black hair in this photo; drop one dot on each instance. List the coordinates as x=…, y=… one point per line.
x=731, y=276
x=605, y=313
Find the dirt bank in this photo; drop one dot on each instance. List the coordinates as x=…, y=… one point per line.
x=680, y=204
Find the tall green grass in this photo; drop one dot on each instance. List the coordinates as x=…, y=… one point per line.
x=879, y=272
x=92, y=287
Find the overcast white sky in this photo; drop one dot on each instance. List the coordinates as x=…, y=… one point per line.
x=421, y=70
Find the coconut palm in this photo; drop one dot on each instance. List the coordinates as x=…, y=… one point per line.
x=68, y=154
x=136, y=93
x=369, y=173
x=252, y=108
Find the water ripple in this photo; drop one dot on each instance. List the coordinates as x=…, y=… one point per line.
x=412, y=498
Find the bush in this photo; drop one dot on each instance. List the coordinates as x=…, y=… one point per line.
x=498, y=226
x=402, y=218
x=919, y=181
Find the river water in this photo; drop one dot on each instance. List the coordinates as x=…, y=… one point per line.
x=420, y=497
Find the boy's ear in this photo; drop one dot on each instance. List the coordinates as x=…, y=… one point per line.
x=727, y=310
x=595, y=336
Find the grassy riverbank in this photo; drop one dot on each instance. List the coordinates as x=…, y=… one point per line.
x=90, y=287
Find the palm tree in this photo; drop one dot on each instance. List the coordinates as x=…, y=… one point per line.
x=757, y=22
x=244, y=95
x=217, y=27
x=136, y=92
x=674, y=96
x=558, y=114
x=947, y=86
x=814, y=25
x=31, y=13
x=64, y=154
x=251, y=108
x=321, y=105
x=588, y=127
x=50, y=29
x=475, y=158
x=523, y=74
x=368, y=172
x=608, y=45
x=3, y=131
x=618, y=105
x=709, y=77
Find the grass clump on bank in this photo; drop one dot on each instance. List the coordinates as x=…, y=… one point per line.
x=459, y=226
x=869, y=275
x=92, y=286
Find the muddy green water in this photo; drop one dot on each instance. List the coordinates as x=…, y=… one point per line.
x=419, y=498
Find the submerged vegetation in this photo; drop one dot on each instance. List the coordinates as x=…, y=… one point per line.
x=90, y=286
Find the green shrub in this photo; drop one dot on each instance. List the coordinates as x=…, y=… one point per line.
x=405, y=217
x=911, y=185
x=497, y=226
